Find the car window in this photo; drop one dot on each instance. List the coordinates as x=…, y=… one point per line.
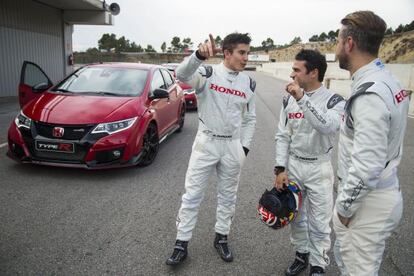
x=167, y=77
x=34, y=75
x=105, y=80
x=157, y=81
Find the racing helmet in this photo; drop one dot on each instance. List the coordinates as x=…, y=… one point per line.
x=278, y=208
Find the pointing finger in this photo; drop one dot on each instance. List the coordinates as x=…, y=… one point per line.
x=205, y=49
x=210, y=49
x=213, y=42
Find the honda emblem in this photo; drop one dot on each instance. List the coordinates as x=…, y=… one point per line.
x=58, y=132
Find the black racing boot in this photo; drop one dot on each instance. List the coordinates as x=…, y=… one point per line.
x=316, y=271
x=301, y=263
x=220, y=243
x=179, y=254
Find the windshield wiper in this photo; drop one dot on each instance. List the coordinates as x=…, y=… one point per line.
x=108, y=93
x=62, y=90
x=101, y=93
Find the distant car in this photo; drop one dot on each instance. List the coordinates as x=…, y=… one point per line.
x=189, y=92
x=100, y=116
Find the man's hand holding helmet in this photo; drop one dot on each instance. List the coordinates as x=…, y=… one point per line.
x=278, y=208
x=281, y=180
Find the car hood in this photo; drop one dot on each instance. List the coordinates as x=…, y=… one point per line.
x=83, y=109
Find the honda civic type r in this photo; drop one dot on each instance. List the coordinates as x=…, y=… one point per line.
x=100, y=116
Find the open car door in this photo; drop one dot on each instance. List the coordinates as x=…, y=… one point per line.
x=33, y=82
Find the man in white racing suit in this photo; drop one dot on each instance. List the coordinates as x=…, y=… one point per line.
x=369, y=203
x=308, y=122
x=226, y=109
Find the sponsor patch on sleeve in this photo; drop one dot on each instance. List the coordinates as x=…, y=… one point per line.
x=334, y=100
x=206, y=71
x=286, y=101
x=252, y=84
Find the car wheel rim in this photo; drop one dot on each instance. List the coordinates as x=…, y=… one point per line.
x=182, y=116
x=150, y=144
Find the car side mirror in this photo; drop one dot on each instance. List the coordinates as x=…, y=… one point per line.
x=160, y=94
x=40, y=87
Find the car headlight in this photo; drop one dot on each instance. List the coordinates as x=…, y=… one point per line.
x=114, y=127
x=188, y=91
x=22, y=121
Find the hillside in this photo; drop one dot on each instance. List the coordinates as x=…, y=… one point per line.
x=398, y=48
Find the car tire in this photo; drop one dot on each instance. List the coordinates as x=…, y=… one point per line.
x=181, y=119
x=150, y=145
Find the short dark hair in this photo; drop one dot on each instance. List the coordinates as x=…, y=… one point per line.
x=232, y=40
x=313, y=60
x=366, y=28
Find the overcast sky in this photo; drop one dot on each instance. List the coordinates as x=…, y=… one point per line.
x=155, y=21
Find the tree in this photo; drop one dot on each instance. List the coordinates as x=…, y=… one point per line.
x=406, y=28
x=296, y=40
x=268, y=44
x=411, y=26
x=314, y=38
x=175, y=44
x=218, y=41
x=399, y=29
x=323, y=37
x=107, y=42
x=163, y=47
x=187, y=44
x=150, y=49
x=92, y=51
x=136, y=48
x=122, y=45
x=332, y=36
x=389, y=31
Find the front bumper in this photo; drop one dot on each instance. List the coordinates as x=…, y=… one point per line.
x=191, y=101
x=89, y=165
x=88, y=151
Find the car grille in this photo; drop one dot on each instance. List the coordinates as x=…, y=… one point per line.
x=79, y=135
x=72, y=132
x=76, y=157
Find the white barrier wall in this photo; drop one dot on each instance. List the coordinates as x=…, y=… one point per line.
x=339, y=80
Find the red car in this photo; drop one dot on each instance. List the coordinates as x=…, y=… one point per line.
x=100, y=116
x=189, y=92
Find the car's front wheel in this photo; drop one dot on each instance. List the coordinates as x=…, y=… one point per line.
x=150, y=145
x=181, y=119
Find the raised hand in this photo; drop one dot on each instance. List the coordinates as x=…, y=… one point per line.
x=295, y=90
x=208, y=49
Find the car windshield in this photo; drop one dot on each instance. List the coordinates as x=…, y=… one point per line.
x=110, y=81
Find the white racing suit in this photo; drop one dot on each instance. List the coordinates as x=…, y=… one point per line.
x=370, y=149
x=227, y=118
x=304, y=140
